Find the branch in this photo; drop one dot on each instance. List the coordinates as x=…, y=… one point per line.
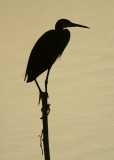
x=45, y=111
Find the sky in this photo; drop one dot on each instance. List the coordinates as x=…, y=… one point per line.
x=81, y=82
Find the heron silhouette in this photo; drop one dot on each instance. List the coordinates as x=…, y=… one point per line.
x=47, y=49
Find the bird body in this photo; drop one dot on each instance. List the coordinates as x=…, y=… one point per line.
x=47, y=49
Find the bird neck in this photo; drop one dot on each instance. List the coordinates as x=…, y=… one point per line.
x=58, y=27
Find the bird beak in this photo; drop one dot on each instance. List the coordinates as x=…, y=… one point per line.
x=78, y=25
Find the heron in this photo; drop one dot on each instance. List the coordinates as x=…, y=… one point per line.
x=47, y=50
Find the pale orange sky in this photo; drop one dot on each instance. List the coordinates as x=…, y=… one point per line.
x=81, y=83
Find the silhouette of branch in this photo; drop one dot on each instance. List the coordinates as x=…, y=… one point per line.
x=45, y=111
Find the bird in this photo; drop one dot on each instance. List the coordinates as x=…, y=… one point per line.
x=48, y=48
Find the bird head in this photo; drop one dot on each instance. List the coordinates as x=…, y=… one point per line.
x=64, y=23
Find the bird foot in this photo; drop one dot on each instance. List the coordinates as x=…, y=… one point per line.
x=41, y=95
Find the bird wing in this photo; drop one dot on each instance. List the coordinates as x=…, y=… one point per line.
x=44, y=53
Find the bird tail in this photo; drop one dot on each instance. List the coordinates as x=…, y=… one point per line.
x=25, y=75
x=25, y=78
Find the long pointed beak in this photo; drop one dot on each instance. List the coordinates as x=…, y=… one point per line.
x=78, y=25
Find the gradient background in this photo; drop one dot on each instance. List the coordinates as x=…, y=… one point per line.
x=81, y=83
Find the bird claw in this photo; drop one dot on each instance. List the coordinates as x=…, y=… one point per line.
x=41, y=94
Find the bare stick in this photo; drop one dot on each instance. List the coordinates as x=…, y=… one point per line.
x=45, y=111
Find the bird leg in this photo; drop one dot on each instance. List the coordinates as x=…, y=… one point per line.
x=40, y=91
x=46, y=81
x=41, y=96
